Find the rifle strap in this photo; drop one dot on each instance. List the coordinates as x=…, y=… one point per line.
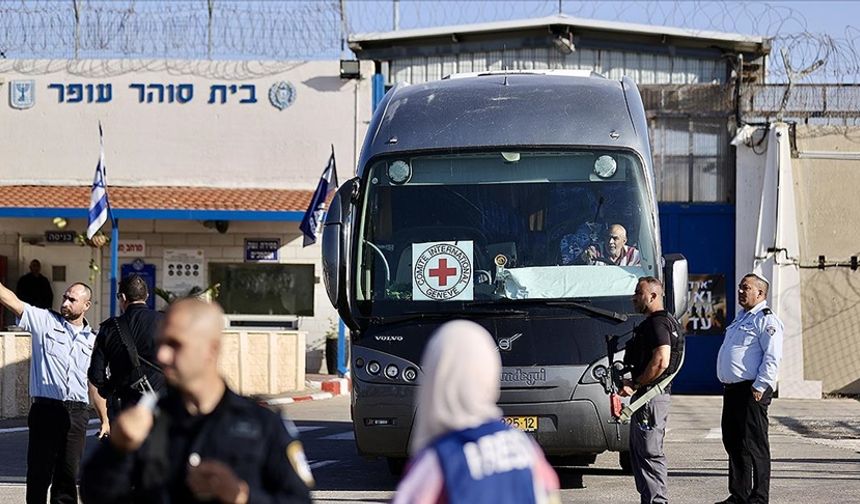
x=125, y=334
x=655, y=390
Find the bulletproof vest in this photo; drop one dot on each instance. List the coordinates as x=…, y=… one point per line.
x=488, y=464
x=636, y=355
x=676, y=349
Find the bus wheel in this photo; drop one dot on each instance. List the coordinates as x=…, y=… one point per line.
x=625, y=462
x=396, y=465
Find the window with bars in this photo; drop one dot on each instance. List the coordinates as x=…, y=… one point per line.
x=692, y=159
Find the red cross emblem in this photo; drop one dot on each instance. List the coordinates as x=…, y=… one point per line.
x=442, y=272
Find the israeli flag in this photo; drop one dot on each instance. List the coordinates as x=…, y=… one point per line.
x=99, y=206
x=312, y=222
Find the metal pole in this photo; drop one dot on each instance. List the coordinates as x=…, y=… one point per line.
x=77, y=7
x=342, y=362
x=396, y=6
x=209, y=30
x=114, y=264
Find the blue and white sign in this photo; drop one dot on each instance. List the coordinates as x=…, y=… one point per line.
x=262, y=250
x=22, y=94
x=146, y=271
x=282, y=95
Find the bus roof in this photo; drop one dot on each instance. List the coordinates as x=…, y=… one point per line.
x=525, y=109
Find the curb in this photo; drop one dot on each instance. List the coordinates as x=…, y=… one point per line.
x=330, y=388
x=289, y=400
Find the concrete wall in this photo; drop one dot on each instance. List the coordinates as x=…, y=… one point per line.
x=828, y=209
x=826, y=201
x=252, y=363
x=197, y=143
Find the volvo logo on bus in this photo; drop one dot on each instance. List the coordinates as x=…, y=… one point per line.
x=388, y=337
x=505, y=343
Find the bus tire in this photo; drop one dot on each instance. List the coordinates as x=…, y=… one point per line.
x=396, y=465
x=625, y=462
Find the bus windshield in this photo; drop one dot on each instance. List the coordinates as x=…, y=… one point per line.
x=503, y=225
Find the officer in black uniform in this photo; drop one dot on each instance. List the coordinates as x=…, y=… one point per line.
x=201, y=442
x=111, y=368
x=652, y=355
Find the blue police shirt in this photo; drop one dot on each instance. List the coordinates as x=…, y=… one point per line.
x=751, y=349
x=61, y=355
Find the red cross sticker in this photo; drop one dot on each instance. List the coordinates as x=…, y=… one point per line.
x=442, y=272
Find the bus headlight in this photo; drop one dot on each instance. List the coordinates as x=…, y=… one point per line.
x=409, y=374
x=373, y=367
x=392, y=371
x=598, y=372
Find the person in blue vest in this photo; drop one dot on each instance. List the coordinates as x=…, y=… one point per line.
x=461, y=450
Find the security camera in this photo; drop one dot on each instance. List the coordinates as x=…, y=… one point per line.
x=221, y=226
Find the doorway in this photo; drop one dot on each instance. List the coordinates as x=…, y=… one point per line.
x=64, y=264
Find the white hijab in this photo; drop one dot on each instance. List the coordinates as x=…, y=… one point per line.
x=460, y=386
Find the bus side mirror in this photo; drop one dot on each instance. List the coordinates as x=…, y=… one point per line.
x=675, y=275
x=336, y=245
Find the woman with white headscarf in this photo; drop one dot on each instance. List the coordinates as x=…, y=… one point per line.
x=461, y=450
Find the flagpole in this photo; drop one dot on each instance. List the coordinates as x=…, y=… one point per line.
x=114, y=262
x=114, y=232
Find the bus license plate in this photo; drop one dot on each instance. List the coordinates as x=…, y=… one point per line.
x=523, y=423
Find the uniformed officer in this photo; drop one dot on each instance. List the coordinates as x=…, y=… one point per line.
x=650, y=355
x=747, y=365
x=203, y=443
x=113, y=370
x=61, y=346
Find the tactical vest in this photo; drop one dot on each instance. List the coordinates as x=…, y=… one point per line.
x=636, y=351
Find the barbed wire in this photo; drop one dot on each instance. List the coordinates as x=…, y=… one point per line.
x=315, y=29
x=185, y=29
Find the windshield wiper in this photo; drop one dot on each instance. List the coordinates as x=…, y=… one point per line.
x=409, y=316
x=621, y=317
x=562, y=303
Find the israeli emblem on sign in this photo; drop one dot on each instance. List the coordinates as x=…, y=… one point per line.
x=282, y=95
x=22, y=94
x=442, y=271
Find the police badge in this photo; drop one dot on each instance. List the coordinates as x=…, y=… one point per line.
x=22, y=94
x=282, y=95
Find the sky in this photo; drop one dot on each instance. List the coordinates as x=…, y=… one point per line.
x=311, y=29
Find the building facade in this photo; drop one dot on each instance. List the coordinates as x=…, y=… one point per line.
x=210, y=166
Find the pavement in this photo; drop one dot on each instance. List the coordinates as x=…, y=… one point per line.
x=815, y=456
x=815, y=452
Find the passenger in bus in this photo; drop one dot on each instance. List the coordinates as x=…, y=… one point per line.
x=614, y=251
x=461, y=450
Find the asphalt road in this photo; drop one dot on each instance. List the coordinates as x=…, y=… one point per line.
x=809, y=463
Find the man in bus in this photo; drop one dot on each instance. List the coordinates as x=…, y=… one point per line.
x=616, y=251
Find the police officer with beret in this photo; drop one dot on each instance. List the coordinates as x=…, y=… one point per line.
x=747, y=365
x=201, y=442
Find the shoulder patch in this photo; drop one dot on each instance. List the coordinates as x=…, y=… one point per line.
x=770, y=330
x=296, y=456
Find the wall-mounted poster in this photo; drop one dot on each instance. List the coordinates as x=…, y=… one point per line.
x=706, y=313
x=183, y=270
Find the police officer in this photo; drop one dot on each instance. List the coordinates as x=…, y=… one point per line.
x=111, y=369
x=203, y=442
x=61, y=347
x=747, y=365
x=650, y=356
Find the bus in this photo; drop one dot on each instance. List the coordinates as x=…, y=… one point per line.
x=522, y=201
